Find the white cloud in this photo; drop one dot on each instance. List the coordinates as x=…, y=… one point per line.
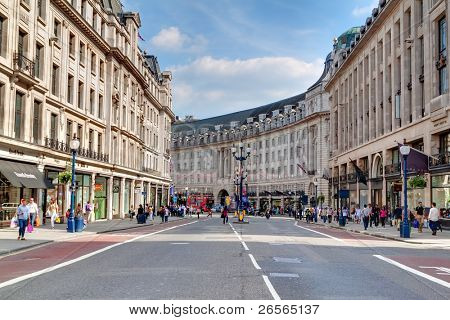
x=365, y=10
x=208, y=87
x=173, y=39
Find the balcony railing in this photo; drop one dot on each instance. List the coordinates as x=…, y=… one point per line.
x=439, y=160
x=392, y=169
x=82, y=152
x=24, y=64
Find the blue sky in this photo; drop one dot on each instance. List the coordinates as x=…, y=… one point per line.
x=229, y=55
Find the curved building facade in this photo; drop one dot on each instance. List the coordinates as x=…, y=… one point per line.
x=288, y=142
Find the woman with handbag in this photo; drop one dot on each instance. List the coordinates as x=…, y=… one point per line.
x=225, y=215
x=53, y=212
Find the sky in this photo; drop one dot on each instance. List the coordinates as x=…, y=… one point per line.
x=231, y=55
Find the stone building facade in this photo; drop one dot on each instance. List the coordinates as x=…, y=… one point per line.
x=390, y=87
x=280, y=136
x=74, y=68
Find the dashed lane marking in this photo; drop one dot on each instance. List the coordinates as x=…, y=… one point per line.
x=254, y=261
x=245, y=246
x=287, y=260
x=271, y=288
x=284, y=275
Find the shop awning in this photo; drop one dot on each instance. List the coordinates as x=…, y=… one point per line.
x=23, y=175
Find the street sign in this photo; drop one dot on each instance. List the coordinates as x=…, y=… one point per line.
x=344, y=194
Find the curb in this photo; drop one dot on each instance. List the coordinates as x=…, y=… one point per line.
x=43, y=243
x=373, y=235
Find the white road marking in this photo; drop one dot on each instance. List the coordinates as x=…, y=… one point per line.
x=323, y=234
x=277, y=244
x=284, y=275
x=416, y=272
x=254, y=261
x=244, y=245
x=180, y=243
x=271, y=288
x=287, y=260
x=67, y=263
x=238, y=235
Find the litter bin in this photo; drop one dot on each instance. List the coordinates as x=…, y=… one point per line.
x=79, y=224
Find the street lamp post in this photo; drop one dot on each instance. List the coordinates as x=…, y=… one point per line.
x=186, y=194
x=74, y=145
x=405, y=231
x=241, y=158
x=315, y=196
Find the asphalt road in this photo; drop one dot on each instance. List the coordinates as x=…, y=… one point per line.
x=209, y=260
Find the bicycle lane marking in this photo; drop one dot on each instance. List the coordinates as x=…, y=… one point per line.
x=83, y=257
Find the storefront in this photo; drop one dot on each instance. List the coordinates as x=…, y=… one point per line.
x=394, y=194
x=440, y=192
x=84, y=185
x=19, y=181
x=100, y=203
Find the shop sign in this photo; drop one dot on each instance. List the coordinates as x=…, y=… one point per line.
x=98, y=187
x=16, y=152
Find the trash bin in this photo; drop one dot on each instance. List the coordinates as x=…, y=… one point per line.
x=79, y=224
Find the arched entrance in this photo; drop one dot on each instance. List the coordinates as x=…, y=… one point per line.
x=377, y=179
x=222, y=196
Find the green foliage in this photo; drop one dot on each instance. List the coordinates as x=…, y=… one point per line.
x=65, y=177
x=417, y=182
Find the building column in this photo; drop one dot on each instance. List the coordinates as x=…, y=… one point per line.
x=168, y=195
x=132, y=197
x=156, y=198
x=109, y=203
x=122, y=198
x=92, y=196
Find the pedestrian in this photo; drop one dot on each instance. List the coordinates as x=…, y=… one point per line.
x=365, y=216
x=33, y=210
x=147, y=212
x=209, y=213
x=376, y=215
x=433, y=218
x=330, y=214
x=345, y=214
x=22, y=216
x=78, y=211
x=419, y=215
x=225, y=215
x=140, y=214
x=131, y=213
x=383, y=216
x=358, y=215
x=198, y=213
x=183, y=210
x=166, y=214
x=161, y=214
x=151, y=213
x=371, y=215
x=88, y=210
x=398, y=217
x=52, y=211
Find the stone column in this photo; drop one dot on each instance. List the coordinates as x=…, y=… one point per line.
x=156, y=197
x=132, y=197
x=122, y=199
x=92, y=196
x=109, y=204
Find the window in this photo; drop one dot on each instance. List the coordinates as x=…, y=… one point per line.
x=100, y=107
x=93, y=63
x=72, y=44
x=116, y=77
x=21, y=43
x=92, y=101
x=83, y=8
x=99, y=143
x=36, y=120
x=132, y=121
x=2, y=106
x=442, y=64
x=41, y=8
x=94, y=21
x=70, y=83
x=55, y=80
x=102, y=70
x=80, y=134
x=103, y=29
x=57, y=28
x=124, y=116
x=3, y=35
x=53, y=126
x=82, y=53
x=18, y=115
x=38, y=61
x=80, y=94
x=68, y=132
x=91, y=139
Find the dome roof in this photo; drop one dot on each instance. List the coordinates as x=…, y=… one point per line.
x=344, y=40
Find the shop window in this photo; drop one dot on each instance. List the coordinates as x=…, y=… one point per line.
x=100, y=107
x=18, y=115
x=57, y=29
x=444, y=145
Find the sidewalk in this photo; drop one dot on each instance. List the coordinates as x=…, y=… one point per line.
x=44, y=234
x=442, y=238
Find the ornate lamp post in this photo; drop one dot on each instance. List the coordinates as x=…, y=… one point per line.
x=405, y=231
x=241, y=158
x=74, y=145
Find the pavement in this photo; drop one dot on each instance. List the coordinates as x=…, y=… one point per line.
x=45, y=234
x=189, y=259
x=388, y=232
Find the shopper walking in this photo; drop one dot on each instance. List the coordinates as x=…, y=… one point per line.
x=419, y=215
x=33, y=210
x=166, y=214
x=398, y=217
x=88, y=209
x=358, y=215
x=151, y=213
x=433, y=218
x=383, y=216
x=365, y=216
x=22, y=217
x=53, y=212
x=225, y=215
